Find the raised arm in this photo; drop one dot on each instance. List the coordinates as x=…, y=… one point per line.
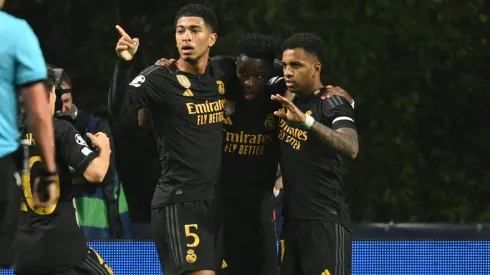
x=126, y=48
x=146, y=90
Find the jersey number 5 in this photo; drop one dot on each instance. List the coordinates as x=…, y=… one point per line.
x=188, y=233
x=26, y=188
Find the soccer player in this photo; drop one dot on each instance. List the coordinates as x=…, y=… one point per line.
x=187, y=113
x=250, y=158
x=49, y=240
x=314, y=136
x=21, y=66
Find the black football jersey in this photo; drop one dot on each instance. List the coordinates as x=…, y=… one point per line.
x=250, y=145
x=49, y=239
x=313, y=187
x=187, y=114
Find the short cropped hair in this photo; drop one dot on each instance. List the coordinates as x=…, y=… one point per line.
x=50, y=80
x=199, y=10
x=257, y=46
x=310, y=42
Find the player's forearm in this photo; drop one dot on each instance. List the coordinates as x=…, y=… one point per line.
x=98, y=167
x=344, y=141
x=38, y=111
x=116, y=102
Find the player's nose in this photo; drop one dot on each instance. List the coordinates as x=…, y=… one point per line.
x=250, y=83
x=187, y=36
x=287, y=72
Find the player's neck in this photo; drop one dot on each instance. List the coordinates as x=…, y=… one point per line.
x=312, y=88
x=197, y=67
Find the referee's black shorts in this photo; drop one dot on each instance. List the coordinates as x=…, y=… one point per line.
x=9, y=208
x=315, y=247
x=187, y=236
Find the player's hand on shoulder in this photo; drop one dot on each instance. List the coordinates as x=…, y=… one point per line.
x=100, y=141
x=126, y=46
x=170, y=64
x=331, y=91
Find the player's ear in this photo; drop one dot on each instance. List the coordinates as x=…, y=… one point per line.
x=317, y=69
x=212, y=39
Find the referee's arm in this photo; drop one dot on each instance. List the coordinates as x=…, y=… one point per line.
x=30, y=71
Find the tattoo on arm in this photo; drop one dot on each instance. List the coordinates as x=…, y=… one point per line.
x=344, y=139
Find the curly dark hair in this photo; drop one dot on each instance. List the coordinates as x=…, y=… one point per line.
x=257, y=46
x=310, y=42
x=199, y=10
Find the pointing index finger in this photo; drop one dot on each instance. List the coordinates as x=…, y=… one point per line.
x=121, y=31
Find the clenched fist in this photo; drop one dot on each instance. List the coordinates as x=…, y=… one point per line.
x=100, y=141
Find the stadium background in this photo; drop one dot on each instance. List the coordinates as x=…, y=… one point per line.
x=418, y=71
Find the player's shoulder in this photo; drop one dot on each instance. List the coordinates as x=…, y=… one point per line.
x=336, y=106
x=155, y=69
x=223, y=61
x=276, y=85
x=61, y=127
x=275, y=80
x=66, y=133
x=223, y=66
x=335, y=101
x=277, y=68
x=153, y=73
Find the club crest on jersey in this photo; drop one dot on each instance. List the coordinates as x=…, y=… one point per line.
x=221, y=87
x=191, y=256
x=229, y=107
x=308, y=113
x=270, y=122
x=184, y=81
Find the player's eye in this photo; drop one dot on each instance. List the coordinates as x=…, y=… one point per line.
x=180, y=31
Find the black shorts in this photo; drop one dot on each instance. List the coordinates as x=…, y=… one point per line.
x=9, y=208
x=250, y=243
x=316, y=247
x=92, y=265
x=187, y=236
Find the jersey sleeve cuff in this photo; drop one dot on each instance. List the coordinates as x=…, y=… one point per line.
x=85, y=163
x=124, y=65
x=343, y=122
x=31, y=79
